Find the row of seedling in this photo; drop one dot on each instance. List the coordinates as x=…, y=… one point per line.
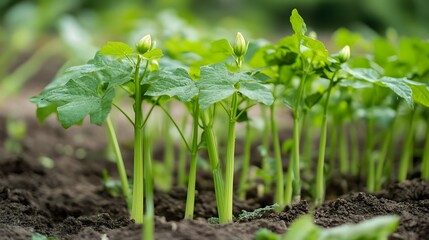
x=219, y=84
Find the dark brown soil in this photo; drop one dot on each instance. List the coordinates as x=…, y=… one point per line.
x=69, y=201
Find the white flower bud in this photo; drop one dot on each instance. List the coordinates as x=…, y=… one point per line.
x=144, y=45
x=240, y=45
x=344, y=54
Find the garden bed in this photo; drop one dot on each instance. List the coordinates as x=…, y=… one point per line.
x=69, y=201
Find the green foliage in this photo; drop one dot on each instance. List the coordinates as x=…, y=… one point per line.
x=83, y=90
x=176, y=83
x=218, y=83
x=39, y=236
x=298, y=71
x=409, y=90
x=116, y=49
x=303, y=228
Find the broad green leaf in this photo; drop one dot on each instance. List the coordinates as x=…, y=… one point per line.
x=217, y=83
x=354, y=84
x=78, y=98
x=378, y=228
x=117, y=49
x=175, y=83
x=108, y=69
x=318, y=50
x=290, y=42
x=153, y=54
x=303, y=228
x=420, y=92
x=74, y=72
x=398, y=86
x=44, y=112
x=256, y=91
x=298, y=24
x=366, y=74
x=221, y=46
x=110, y=73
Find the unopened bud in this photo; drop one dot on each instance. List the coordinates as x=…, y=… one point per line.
x=154, y=65
x=144, y=45
x=240, y=45
x=344, y=54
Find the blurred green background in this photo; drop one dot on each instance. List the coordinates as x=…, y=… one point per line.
x=32, y=32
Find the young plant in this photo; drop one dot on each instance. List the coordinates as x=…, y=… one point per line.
x=303, y=228
x=330, y=73
x=219, y=86
x=292, y=64
x=16, y=131
x=90, y=90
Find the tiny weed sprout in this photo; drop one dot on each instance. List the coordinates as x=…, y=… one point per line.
x=344, y=96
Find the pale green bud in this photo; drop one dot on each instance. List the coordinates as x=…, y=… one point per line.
x=240, y=45
x=312, y=35
x=144, y=45
x=154, y=65
x=344, y=54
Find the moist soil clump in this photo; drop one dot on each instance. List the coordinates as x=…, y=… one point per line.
x=68, y=201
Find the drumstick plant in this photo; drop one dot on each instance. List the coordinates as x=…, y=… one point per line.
x=298, y=72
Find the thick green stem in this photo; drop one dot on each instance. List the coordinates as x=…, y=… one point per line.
x=296, y=141
x=288, y=192
x=308, y=143
x=407, y=150
x=137, y=207
x=333, y=141
x=382, y=157
x=119, y=162
x=425, y=161
x=279, y=194
x=183, y=151
x=320, y=180
x=344, y=151
x=148, y=226
x=246, y=162
x=229, y=163
x=190, y=199
x=354, y=140
x=211, y=143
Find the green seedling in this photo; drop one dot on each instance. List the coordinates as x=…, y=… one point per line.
x=90, y=89
x=228, y=90
x=320, y=89
x=303, y=228
x=16, y=131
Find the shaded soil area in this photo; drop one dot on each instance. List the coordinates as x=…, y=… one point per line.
x=68, y=201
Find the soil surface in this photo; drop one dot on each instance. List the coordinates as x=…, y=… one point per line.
x=68, y=200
